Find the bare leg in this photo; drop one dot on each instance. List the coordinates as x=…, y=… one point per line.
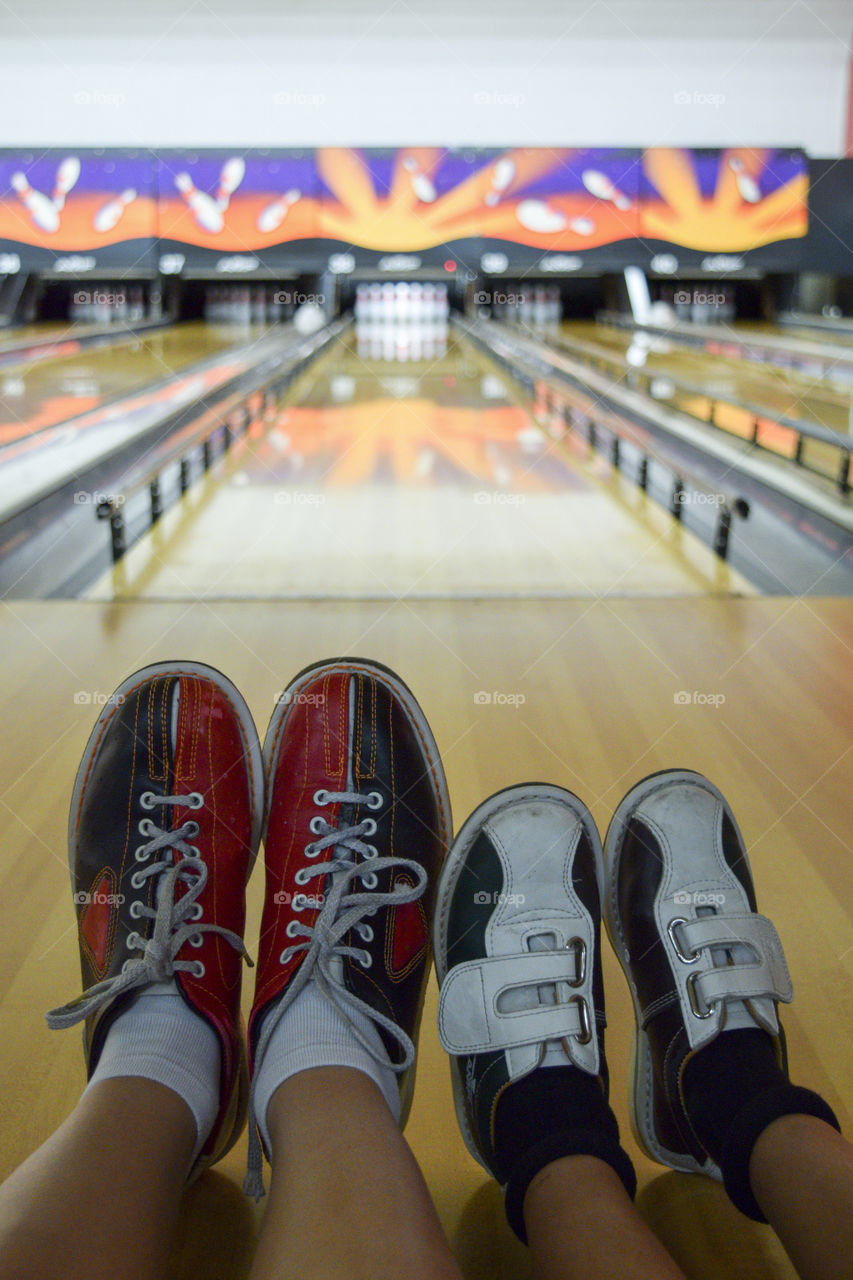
x=100, y=1198
x=347, y=1197
x=581, y=1222
x=801, y=1172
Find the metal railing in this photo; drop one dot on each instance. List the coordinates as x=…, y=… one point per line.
x=802, y=430
x=202, y=441
x=593, y=420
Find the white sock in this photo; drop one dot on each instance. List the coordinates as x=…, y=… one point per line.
x=162, y=1039
x=312, y=1033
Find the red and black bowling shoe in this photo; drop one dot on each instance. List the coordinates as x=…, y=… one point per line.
x=164, y=828
x=358, y=821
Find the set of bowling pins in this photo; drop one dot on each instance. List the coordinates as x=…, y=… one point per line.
x=246, y=304
x=209, y=210
x=114, y=303
x=403, y=321
x=541, y=215
x=539, y=307
x=401, y=303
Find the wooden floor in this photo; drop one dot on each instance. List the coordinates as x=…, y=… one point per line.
x=599, y=679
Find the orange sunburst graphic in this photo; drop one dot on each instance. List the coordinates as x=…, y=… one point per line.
x=405, y=441
x=736, y=217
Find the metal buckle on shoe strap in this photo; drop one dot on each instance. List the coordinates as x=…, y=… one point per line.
x=670, y=928
x=694, y=997
x=586, y=1023
x=578, y=946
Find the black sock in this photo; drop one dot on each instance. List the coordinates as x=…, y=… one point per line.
x=551, y=1113
x=733, y=1089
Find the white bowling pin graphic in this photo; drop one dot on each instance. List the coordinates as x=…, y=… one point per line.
x=599, y=185
x=501, y=177
x=108, y=214
x=41, y=208
x=207, y=212
x=538, y=216
x=270, y=218
x=746, y=185
x=582, y=226
x=233, y=173
x=421, y=184
x=66, y=177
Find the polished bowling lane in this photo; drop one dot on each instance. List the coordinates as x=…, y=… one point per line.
x=43, y=394
x=777, y=390
x=386, y=478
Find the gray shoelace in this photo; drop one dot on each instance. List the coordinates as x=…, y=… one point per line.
x=175, y=922
x=324, y=950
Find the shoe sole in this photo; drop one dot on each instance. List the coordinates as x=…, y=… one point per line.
x=450, y=873
x=238, y=1103
x=404, y=695
x=640, y=1080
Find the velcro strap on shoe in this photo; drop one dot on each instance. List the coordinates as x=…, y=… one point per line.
x=768, y=976
x=469, y=1018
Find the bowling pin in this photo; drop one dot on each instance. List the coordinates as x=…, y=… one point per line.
x=582, y=226
x=108, y=214
x=208, y=215
x=599, y=185
x=747, y=186
x=233, y=173
x=66, y=176
x=538, y=216
x=502, y=175
x=270, y=218
x=421, y=183
x=41, y=208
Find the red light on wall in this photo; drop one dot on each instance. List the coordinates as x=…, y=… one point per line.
x=450, y=265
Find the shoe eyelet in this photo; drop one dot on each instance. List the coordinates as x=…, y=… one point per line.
x=146, y=828
x=310, y=851
x=135, y=909
x=290, y=931
x=365, y=960
x=321, y=796
x=198, y=911
x=365, y=932
x=132, y=941
x=195, y=800
x=197, y=940
x=142, y=853
x=198, y=968
x=370, y=880
x=285, y=955
x=299, y=902
x=191, y=823
x=374, y=800
x=369, y=825
x=317, y=825
x=372, y=851
x=147, y=800
x=301, y=876
x=136, y=881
